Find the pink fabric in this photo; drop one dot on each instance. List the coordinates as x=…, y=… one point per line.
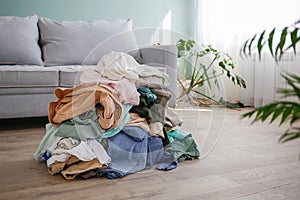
x=124, y=88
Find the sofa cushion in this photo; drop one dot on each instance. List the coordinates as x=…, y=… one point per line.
x=80, y=42
x=19, y=41
x=28, y=76
x=69, y=75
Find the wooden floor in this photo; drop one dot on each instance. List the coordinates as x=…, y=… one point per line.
x=239, y=161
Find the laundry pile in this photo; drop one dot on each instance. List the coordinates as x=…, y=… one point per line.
x=116, y=122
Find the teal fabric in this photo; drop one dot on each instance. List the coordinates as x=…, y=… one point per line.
x=86, y=126
x=182, y=146
x=147, y=93
x=81, y=127
x=178, y=134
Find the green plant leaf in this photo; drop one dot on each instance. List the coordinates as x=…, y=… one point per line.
x=294, y=39
x=184, y=47
x=250, y=45
x=290, y=134
x=244, y=48
x=276, y=114
x=296, y=114
x=267, y=111
x=270, y=41
x=292, y=80
x=287, y=112
x=281, y=43
x=260, y=43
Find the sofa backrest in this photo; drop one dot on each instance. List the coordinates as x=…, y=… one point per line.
x=35, y=40
x=19, y=41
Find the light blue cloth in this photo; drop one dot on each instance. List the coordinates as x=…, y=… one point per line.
x=128, y=150
x=155, y=151
x=132, y=150
x=48, y=139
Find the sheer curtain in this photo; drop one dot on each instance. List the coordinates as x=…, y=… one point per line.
x=227, y=24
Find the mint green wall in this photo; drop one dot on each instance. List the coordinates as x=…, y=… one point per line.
x=144, y=13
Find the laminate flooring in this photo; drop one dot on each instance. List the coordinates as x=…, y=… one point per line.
x=238, y=161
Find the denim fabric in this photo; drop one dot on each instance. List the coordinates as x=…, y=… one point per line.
x=132, y=150
x=110, y=173
x=155, y=151
x=128, y=150
x=168, y=162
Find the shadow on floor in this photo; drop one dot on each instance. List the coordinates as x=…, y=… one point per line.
x=23, y=123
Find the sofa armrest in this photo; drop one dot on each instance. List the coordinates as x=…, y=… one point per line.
x=163, y=56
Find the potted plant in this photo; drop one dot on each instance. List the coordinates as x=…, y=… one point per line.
x=206, y=65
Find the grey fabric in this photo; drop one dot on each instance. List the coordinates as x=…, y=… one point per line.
x=69, y=75
x=123, y=42
x=19, y=41
x=79, y=42
x=26, y=90
x=25, y=105
x=27, y=76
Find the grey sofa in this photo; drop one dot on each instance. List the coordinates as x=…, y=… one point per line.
x=38, y=54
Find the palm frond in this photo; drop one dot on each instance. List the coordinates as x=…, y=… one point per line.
x=290, y=134
x=276, y=50
x=289, y=111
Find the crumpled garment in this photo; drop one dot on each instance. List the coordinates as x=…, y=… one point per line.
x=124, y=88
x=182, y=146
x=59, y=166
x=168, y=162
x=128, y=150
x=110, y=173
x=86, y=125
x=132, y=150
x=81, y=167
x=75, y=101
x=85, y=151
x=63, y=145
x=90, y=129
x=118, y=65
x=136, y=120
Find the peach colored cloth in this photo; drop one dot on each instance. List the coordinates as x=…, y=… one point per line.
x=59, y=166
x=81, y=167
x=79, y=99
x=136, y=120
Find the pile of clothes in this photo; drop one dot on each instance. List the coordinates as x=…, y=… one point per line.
x=116, y=122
